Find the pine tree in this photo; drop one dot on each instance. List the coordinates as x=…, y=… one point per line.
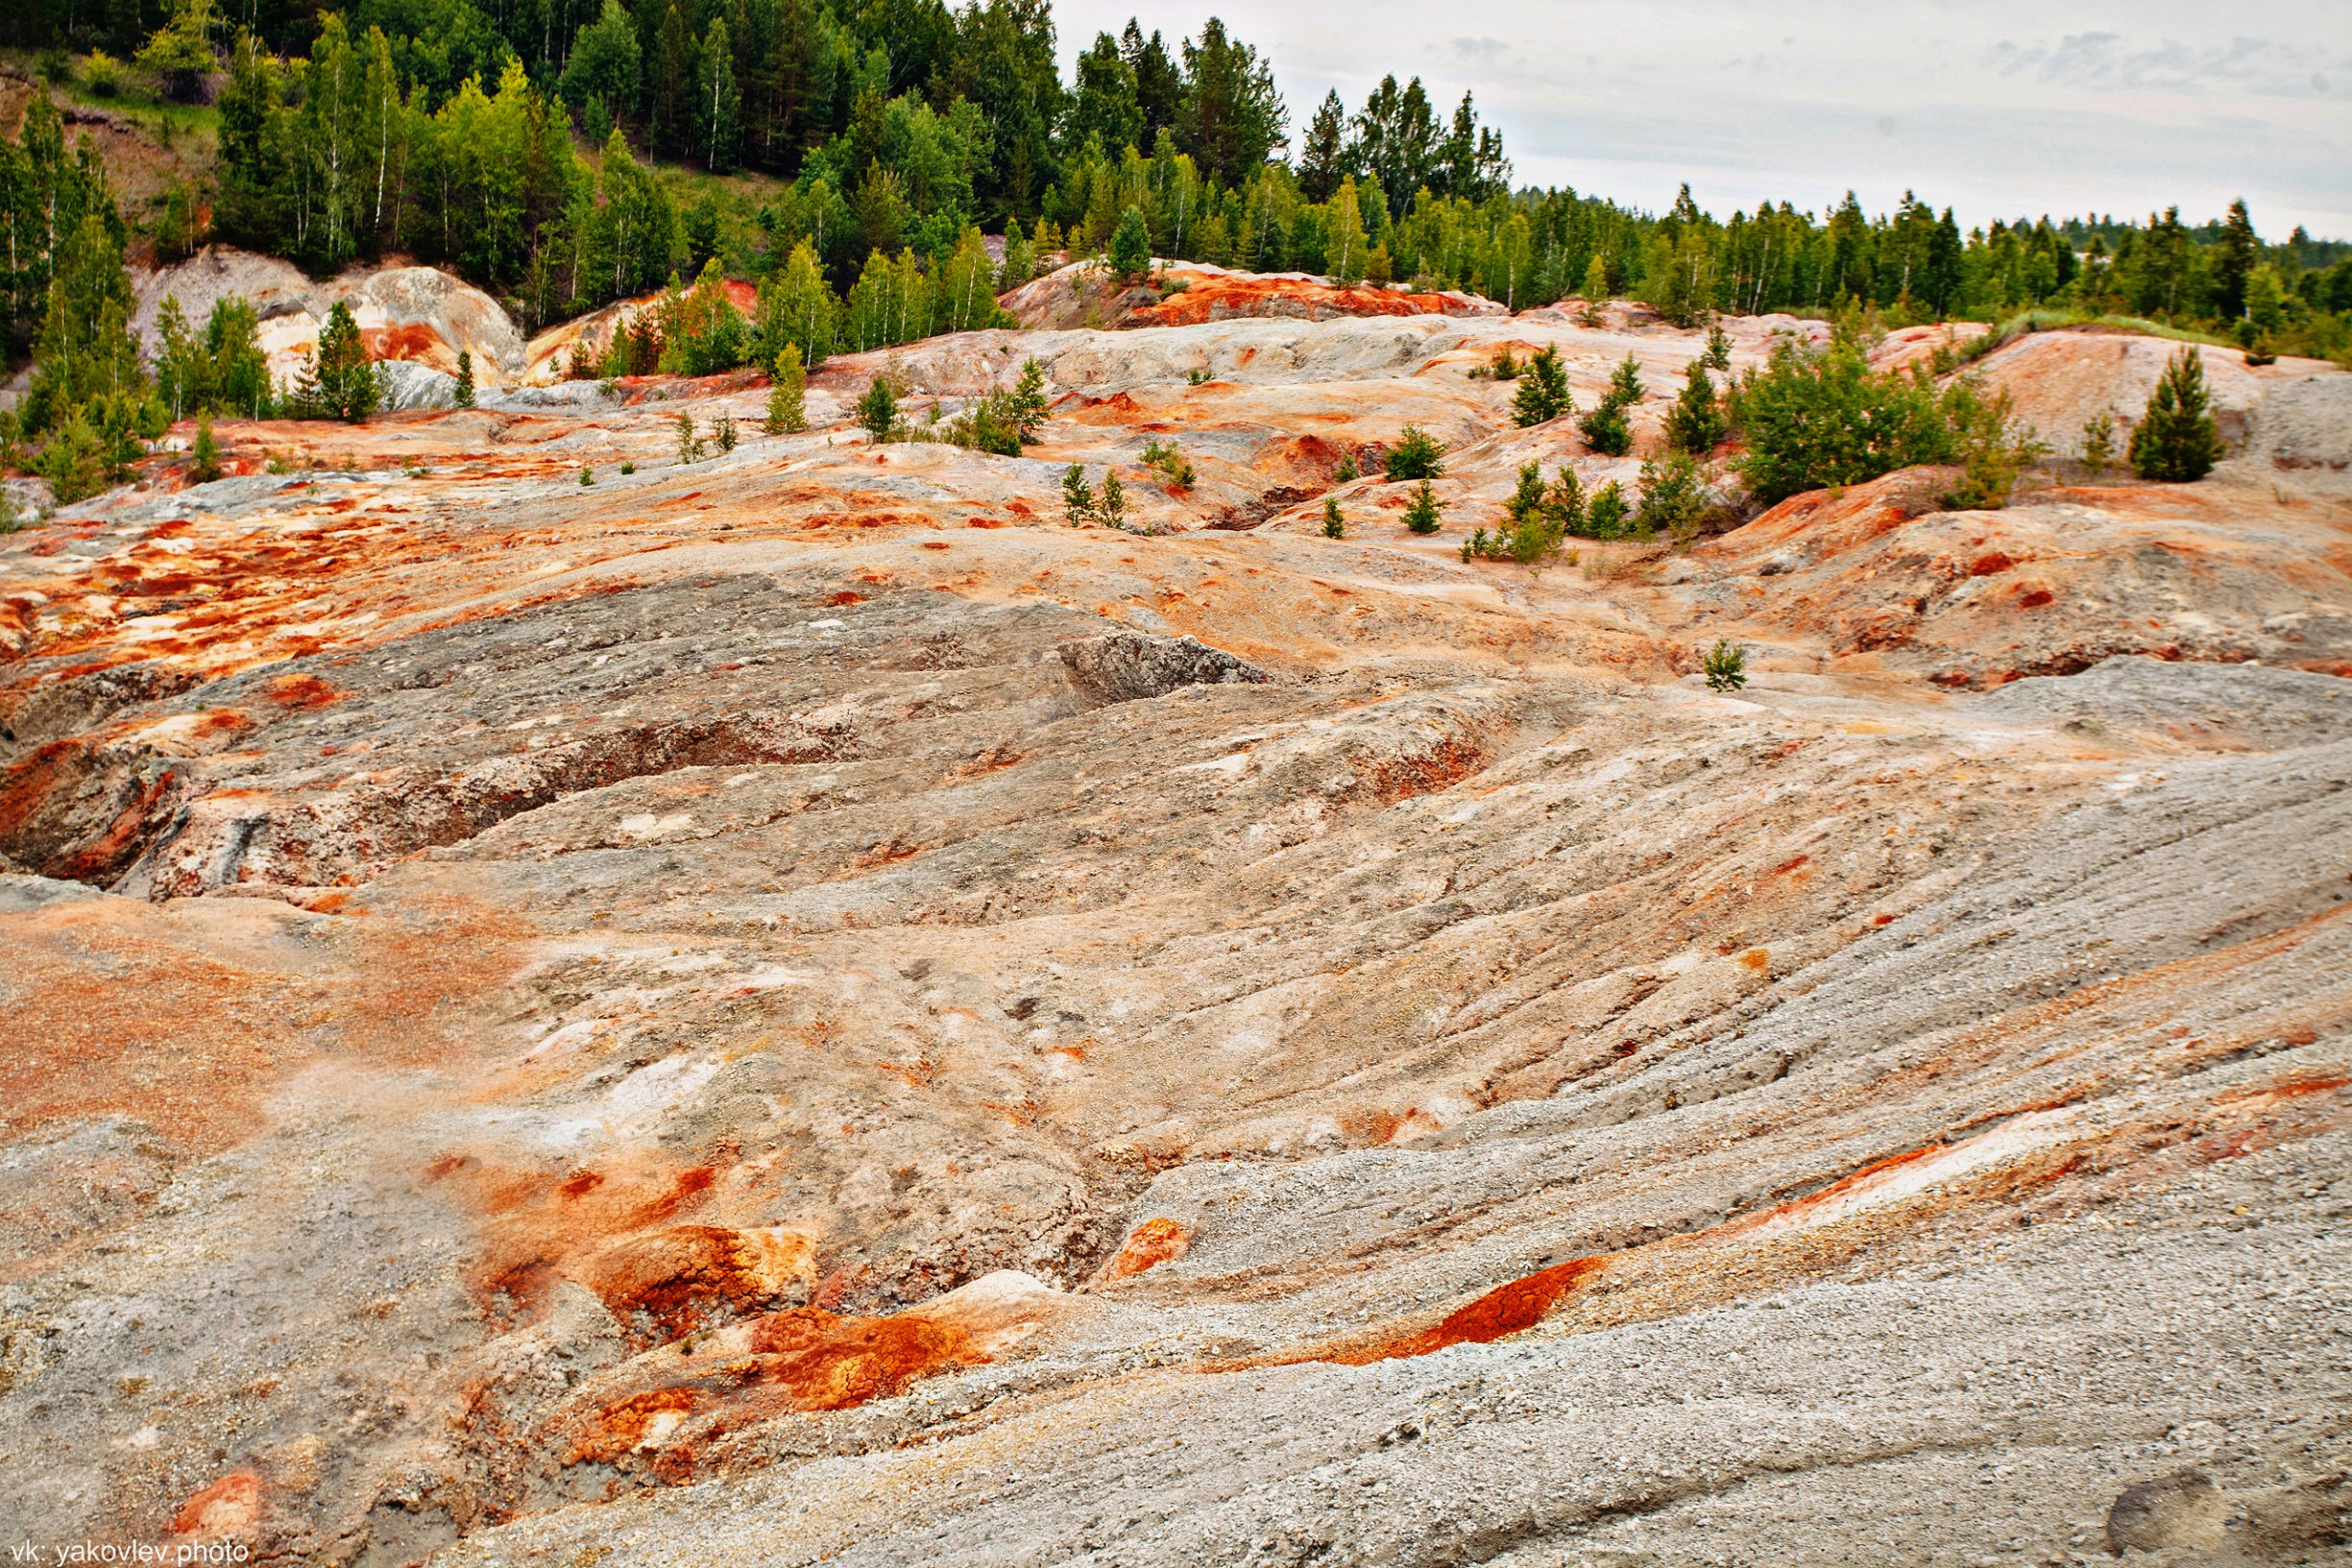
x=1606, y=428
x=206, y=454
x=2233, y=261
x=1027, y=408
x=1077, y=496
x=877, y=411
x=1422, y=514
x=1544, y=389
x=1131, y=246
x=1334, y=525
x=1597, y=282
x=339, y=383
x=2176, y=442
x=464, y=394
x=1110, y=507
x=1694, y=423
x=787, y=409
x=1322, y=160
x=1718, y=348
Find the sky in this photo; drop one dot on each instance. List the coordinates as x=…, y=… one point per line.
x=1998, y=109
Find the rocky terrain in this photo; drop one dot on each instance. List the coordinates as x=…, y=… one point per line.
x=791, y=1005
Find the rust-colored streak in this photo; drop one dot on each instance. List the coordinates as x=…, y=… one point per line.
x=1504, y=1310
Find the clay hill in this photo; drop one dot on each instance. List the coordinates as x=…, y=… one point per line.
x=791, y=1008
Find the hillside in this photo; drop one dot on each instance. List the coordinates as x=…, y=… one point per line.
x=793, y=1005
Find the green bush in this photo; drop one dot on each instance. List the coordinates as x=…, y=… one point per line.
x=1077, y=496
x=207, y=452
x=464, y=394
x=1334, y=525
x=788, y=411
x=1131, y=246
x=1820, y=416
x=1416, y=455
x=1604, y=514
x=1726, y=666
x=1671, y=501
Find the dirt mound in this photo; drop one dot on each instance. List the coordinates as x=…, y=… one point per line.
x=2061, y=380
x=548, y=356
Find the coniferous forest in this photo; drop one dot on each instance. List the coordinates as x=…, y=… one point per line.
x=849, y=159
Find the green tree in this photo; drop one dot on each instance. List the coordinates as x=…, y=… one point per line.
x=1694, y=423
x=1230, y=116
x=1605, y=515
x=339, y=383
x=787, y=399
x=464, y=394
x=1346, y=253
x=604, y=63
x=1605, y=429
x=180, y=52
x=1595, y=288
x=2233, y=261
x=1335, y=527
x=1670, y=500
x=1422, y=512
x=877, y=411
x=1544, y=389
x=86, y=349
x=1077, y=496
x=207, y=454
x=1110, y=506
x=1718, y=348
x=1026, y=409
x=2176, y=442
x=719, y=105
x=1131, y=246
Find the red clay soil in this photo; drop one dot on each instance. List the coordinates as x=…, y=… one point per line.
x=1221, y=299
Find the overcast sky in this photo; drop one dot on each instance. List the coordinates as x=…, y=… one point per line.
x=1996, y=109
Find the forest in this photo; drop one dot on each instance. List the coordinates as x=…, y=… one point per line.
x=562, y=156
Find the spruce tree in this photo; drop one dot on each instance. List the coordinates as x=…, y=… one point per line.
x=1131, y=246
x=2176, y=442
x=1421, y=516
x=1597, y=282
x=878, y=410
x=1027, y=408
x=1335, y=527
x=1694, y=423
x=1606, y=428
x=464, y=394
x=1543, y=390
x=340, y=384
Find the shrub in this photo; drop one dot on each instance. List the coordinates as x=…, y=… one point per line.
x=726, y=432
x=1671, y=501
x=1726, y=666
x=103, y=74
x=690, y=444
x=1421, y=516
x=464, y=394
x=1164, y=456
x=1347, y=472
x=1334, y=525
x=1416, y=455
x=876, y=412
x=1544, y=391
x=2176, y=442
x=588, y=475
x=628, y=468
x=1504, y=367
x=2098, y=443
x=1993, y=449
x=1110, y=506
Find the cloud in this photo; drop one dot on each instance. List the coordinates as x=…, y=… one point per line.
x=1480, y=50
x=2111, y=63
